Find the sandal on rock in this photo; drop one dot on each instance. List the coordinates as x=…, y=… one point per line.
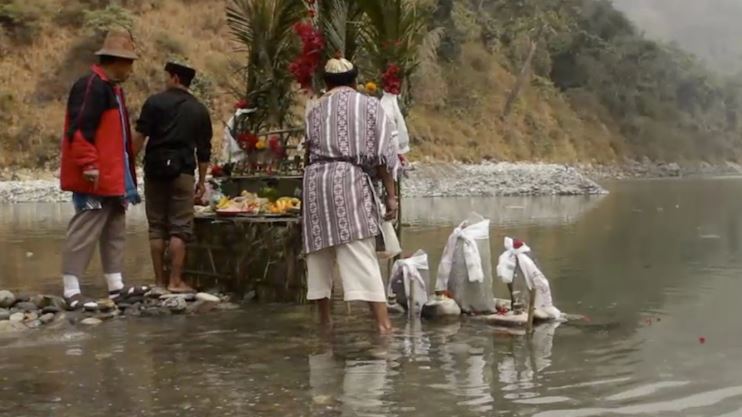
x=78, y=302
x=127, y=292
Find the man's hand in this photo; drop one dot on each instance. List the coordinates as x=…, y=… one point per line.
x=392, y=206
x=200, y=190
x=92, y=175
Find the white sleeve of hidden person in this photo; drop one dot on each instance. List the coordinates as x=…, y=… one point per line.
x=390, y=104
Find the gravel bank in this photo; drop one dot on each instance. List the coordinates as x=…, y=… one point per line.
x=446, y=179
x=497, y=179
x=647, y=169
x=426, y=180
x=35, y=191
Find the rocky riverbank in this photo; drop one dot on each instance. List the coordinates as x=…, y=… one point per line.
x=446, y=179
x=22, y=313
x=425, y=180
x=497, y=179
x=647, y=169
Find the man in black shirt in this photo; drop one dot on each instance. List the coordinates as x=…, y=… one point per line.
x=177, y=130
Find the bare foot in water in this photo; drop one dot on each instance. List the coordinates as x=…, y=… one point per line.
x=386, y=329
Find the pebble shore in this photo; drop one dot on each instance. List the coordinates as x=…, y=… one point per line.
x=20, y=313
x=445, y=179
x=425, y=180
x=497, y=179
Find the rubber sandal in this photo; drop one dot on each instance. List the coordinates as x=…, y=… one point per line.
x=127, y=292
x=78, y=302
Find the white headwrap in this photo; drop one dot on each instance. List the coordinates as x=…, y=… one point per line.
x=338, y=66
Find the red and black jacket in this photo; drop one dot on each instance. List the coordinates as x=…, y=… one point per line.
x=94, y=131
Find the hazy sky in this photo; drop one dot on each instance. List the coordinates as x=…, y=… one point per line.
x=711, y=29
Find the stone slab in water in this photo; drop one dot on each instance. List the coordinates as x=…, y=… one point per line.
x=201, y=307
x=186, y=297
x=209, y=298
x=4, y=314
x=11, y=326
x=91, y=321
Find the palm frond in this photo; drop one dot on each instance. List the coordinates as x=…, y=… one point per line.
x=339, y=20
x=264, y=29
x=392, y=33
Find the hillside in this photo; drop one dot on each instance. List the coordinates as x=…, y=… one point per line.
x=599, y=91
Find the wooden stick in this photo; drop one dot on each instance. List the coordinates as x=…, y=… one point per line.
x=531, y=305
x=411, y=301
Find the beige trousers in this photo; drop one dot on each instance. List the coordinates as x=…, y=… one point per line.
x=89, y=228
x=358, y=267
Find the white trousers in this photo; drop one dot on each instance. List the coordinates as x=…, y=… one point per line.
x=358, y=267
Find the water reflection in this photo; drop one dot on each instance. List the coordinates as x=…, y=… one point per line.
x=652, y=281
x=542, y=211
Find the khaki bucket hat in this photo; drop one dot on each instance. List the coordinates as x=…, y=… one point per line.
x=119, y=43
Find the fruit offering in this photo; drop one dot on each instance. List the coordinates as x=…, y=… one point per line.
x=250, y=204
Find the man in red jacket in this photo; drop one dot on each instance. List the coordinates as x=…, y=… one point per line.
x=97, y=166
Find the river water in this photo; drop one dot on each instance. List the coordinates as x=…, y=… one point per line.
x=655, y=265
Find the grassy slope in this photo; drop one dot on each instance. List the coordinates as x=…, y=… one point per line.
x=456, y=116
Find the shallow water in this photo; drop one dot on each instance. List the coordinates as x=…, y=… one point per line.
x=655, y=265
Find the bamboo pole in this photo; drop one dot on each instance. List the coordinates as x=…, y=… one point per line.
x=531, y=305
x=411, y=301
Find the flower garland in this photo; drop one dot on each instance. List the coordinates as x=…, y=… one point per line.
x=305, y=65
x=391, y=81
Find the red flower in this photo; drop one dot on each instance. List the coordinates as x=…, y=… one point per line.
x=274, y=144
x=247, y=141
x=312, y=13
x=390, y=79
x=242, y=104
x=305, y=65
x=701, y=340
x=217, y=171
x=310, y=2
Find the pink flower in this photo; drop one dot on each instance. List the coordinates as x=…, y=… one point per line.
x=242, y=104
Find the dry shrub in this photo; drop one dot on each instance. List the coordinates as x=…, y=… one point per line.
x=56, y=82
x=169, y=44
x=21, y=20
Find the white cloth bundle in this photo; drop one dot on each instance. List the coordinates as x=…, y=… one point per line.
x=468, y=234
x=507, y=261
x=390, y=104
x=407, y=278
x=231, y=151
x=533, y=277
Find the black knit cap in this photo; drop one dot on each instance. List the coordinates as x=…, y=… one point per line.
x=182, y=71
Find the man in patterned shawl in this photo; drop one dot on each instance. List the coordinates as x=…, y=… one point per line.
x=350, y=145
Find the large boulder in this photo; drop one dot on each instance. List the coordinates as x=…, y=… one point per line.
x=7, y=299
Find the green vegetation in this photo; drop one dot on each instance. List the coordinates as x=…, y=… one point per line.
x=21, y=19
x=659, y=99
x=100, y=20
